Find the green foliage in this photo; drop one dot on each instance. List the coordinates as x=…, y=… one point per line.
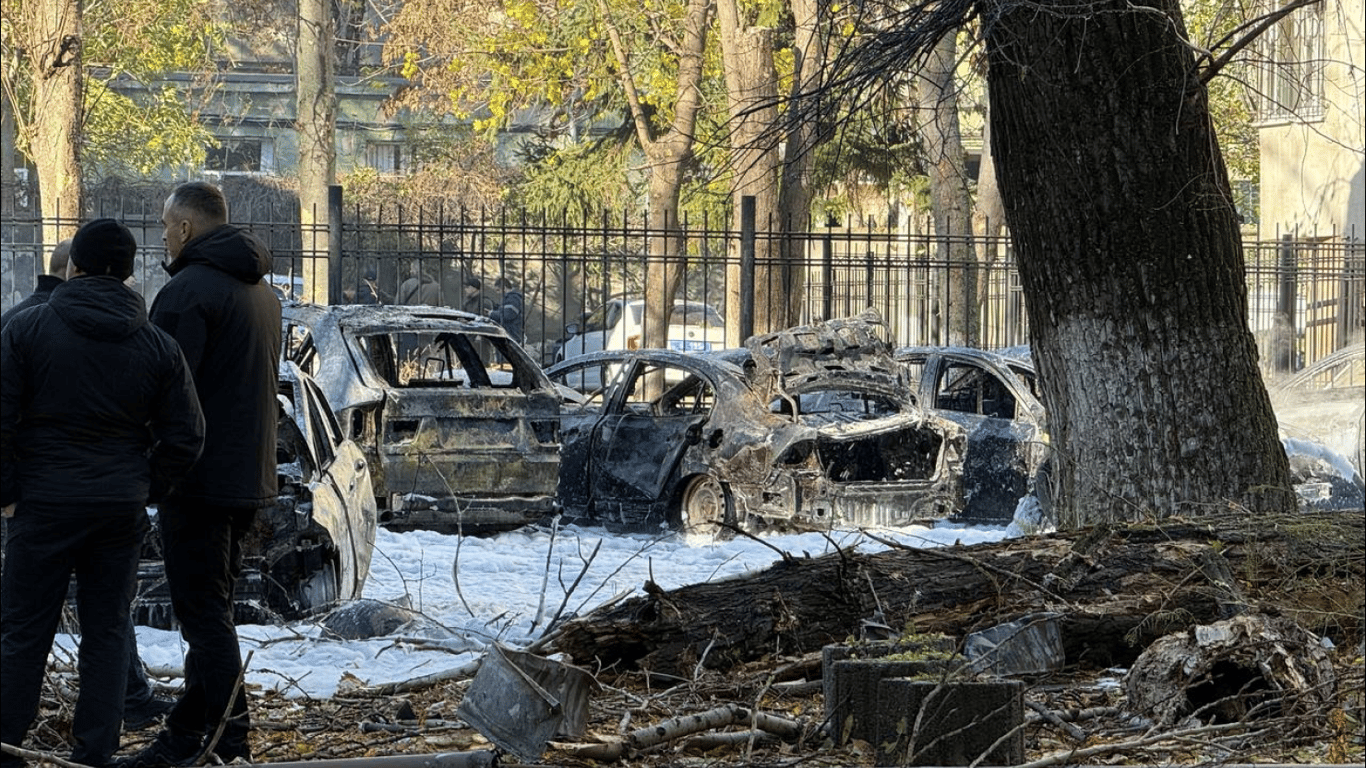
x=129, y=43
x=1208, y=21
x=135, y=138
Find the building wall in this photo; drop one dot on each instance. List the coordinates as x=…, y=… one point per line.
x=1313, y=181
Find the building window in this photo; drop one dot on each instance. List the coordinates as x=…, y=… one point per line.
x=234, y=155
x=1287, y=76
x=389, y=158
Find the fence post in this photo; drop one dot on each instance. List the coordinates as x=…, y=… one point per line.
x=1284, y=331
x=746, y=266
x=334, y=244
x=827, y=273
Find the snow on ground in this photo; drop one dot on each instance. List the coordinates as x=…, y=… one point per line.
x=506, y=592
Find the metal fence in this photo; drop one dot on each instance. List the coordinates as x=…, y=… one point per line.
x=1305, y=296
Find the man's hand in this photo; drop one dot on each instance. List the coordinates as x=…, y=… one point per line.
x=8, y=511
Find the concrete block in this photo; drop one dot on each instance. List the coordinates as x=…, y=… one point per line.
x=851, y=673
x=951, y=723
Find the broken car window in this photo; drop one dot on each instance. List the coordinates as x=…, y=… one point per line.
x=970, y=389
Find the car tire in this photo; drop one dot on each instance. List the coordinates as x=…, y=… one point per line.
x=320, y=590
x=704, y=501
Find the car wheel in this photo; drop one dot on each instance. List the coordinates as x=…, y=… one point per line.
x=704, y=503
x=320, y=590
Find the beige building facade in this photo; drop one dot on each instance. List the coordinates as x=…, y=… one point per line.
x=1308, y=88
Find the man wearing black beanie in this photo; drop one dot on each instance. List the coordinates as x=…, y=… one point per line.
x=97, y=405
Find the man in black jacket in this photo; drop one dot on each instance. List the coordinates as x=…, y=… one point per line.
x=56, y=274
x=227, y=321
x=141, y=705
x=97, y=405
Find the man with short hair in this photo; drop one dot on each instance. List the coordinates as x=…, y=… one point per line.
x=227, y=321
x=56, y=274
x=97, y=407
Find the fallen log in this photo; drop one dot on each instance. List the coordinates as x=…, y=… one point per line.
x=1117, y=588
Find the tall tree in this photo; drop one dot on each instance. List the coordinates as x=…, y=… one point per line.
x=500, y=60
x=316, y=121
x=752, y=92
x=1129, y=251
x=48, y=37
x=937, y=91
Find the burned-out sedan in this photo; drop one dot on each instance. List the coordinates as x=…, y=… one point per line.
x=458, y=423
x=995, y=398
x=310, y=549
x=806, y=429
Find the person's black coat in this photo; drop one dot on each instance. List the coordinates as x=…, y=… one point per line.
x=509, y=315
x=40, y=295
x=227, y=321
x=97, y=403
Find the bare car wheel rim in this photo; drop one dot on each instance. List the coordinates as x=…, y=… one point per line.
x=704, y=504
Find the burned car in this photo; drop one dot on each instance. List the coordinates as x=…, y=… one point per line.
x=458, y=423
x=806, y=429
x=310, y=549
x=1321, y=413
x=995, y=398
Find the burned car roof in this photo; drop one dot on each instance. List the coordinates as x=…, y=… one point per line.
x=788, y=442
x=457, y=420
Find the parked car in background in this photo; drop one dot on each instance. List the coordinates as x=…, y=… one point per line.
x=309, y=550
x=805, y=429
x=995, y=398
x=619, y=325
x=458, y=423
x=1325, y=404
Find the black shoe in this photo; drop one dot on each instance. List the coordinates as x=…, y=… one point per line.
x=144, y=715
x=228, y=755
x=158, y=754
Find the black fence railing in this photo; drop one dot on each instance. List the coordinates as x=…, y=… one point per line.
x=1306, y=297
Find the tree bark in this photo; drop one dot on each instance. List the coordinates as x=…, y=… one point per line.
x=51, y=32
x=802, y=138
x=938, y=97
x=667, y=155
x=316, y=122
x=752, y=90
x=1117, y=588
x=1129, y=253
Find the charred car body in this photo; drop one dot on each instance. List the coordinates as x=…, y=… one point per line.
x=995, y=398
x=310, y=549
x=457, y=421
x=806, y=429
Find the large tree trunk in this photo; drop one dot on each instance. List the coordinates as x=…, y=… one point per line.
x=1116, y=589
x=938, y=97
x=803, y=137
x=1132, y=266
x=51, y=32
x=752, y=90
x=316, y=122
x=668, y=155
x=988, y=213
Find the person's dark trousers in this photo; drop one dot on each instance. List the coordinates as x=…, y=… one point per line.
x=45, y=547
x=201, y=544
x=139, y=691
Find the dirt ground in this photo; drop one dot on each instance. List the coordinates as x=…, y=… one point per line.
x=1091, y=724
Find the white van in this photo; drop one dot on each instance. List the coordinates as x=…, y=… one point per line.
x=694, y=326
